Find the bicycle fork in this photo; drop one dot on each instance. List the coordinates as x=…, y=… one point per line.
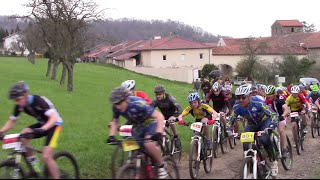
x=198, y=140
x=17, y=169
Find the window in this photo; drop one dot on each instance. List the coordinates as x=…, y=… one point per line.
x=164, y=57
x=183, y=57
x=292, y=29
x=201, y=55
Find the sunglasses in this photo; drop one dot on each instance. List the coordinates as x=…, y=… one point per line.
x=158, y=94
x=241, y=97
x=118, y=103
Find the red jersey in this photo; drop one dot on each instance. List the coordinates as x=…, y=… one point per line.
x=143, y=95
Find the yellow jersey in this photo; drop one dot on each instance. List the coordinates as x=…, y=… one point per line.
x=204, y=110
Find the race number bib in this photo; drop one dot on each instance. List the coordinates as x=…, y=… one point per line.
x=294, y=114
x=196, y=126
x=129, y=145
x=247, y=137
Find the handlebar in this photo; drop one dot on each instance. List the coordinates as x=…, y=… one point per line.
x=266, y=131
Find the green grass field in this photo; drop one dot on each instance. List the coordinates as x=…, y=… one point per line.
x=86, y=112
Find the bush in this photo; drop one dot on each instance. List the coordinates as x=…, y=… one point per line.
x=13, y=53
x=207, y=68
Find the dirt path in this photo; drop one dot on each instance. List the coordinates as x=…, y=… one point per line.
x=227, y=166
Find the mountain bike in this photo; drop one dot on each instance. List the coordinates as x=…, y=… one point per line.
x=199, y=151
x=12, y=168
x=171, y=146
x=255, y=164
x=232, y=134
x=315, y=128
x=298, y=134
x=141, y=165
x=219, y=137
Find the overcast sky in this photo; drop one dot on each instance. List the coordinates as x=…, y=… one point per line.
x=236, y=18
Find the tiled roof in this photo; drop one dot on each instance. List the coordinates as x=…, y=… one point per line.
x=286, y=23
x=126, y=56
x=295, y=43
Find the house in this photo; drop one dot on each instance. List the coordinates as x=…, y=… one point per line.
x=229, y=52
x=280, y=27
x=13, y=43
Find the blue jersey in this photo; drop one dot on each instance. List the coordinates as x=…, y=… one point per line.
x=256, y=112
x=137, y=113
x=314, y=97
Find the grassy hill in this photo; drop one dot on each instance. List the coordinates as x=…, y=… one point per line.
x=86, y=112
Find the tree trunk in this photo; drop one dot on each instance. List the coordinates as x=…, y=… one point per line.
x=31, y=57
x=69, y=67
x=55, y=69
x=50, y=61
x=64, y=73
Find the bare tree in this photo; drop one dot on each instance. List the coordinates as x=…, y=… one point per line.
x=64, y=25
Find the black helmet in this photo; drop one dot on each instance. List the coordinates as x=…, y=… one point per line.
x=119, y=94
x=159, y=88
x=18, y=90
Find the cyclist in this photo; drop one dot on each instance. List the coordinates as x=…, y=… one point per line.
x=296, y=102
x=231, y=96
x=259, y=117
x=220, y=102
x=168, y=106
x=147, y=123
x=254, y=92
x=277, y=103
x=131, y=85
x=315, y=93
x=201, y=111
x=48, y=125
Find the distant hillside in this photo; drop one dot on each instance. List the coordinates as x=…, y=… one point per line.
x=115, y=31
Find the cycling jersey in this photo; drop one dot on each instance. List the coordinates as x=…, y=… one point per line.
x=296, y=104
x=137, y=113
x=313, y=96
x=218, y=102
x=255, y=113
x=39, y=107
x=168, y=106
x=143, y=95
x=204, y=110
x=277, y=104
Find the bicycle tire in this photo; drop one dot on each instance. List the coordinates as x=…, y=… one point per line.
x=317, y=124
x=313, y=126
x=10, y=164
x=169, y=161
x=114, y=166
x=128, y=169
x=196, y=164
x=247, y=162
x=215, y=144
x=176, y=150
x=286, y=166
x=296, y=139
x=65, y=174
x=208, y=160
x=223, y=141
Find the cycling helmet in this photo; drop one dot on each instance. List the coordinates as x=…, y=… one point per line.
x=254, y=88
x=279, y=90
x=193, y=96
x=216, y=86
x=270, y=90
x=18, y=90
x=119, y=94
x=295, y=89
x=243, y=90
x=159, y=88
x=301, y=87
x=129, y=84
x=228, y=88
x=314, y=88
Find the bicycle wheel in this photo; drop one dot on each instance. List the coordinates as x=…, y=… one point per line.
x=297, y=139
x=208, y=160
x=313, y=125
x=117, y=160
x=287, y=162
x=128, y=171
x=176, y=150
x=67, y=164
x=194, y=163
x=317, y=124
x=7, y=170
x=215, y=142
x=223, y=141
x=247, y=169
x=171, y=168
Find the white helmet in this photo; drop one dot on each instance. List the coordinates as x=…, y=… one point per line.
x=129, y=84
x=295, y=89
x=243, y=90
x=216, y=86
